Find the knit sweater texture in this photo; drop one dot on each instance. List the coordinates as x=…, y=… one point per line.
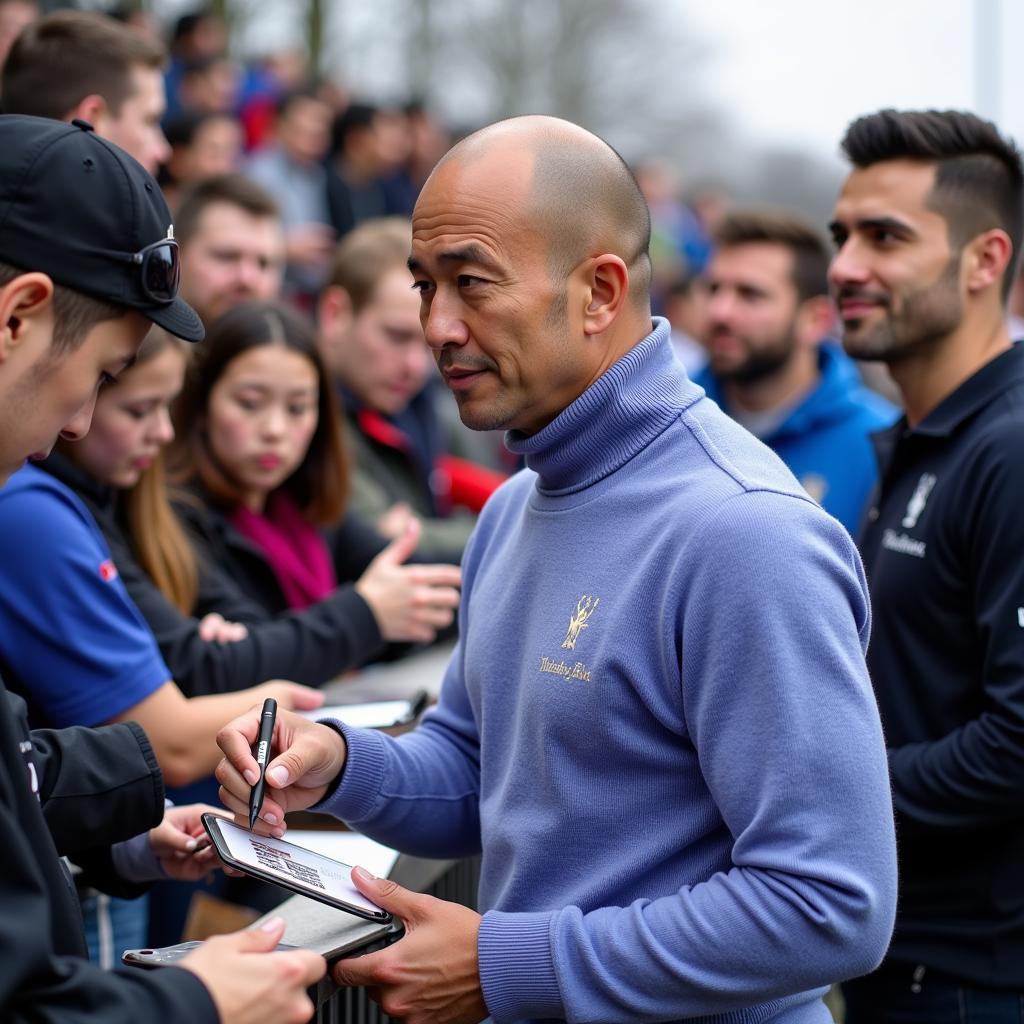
x=657, y=726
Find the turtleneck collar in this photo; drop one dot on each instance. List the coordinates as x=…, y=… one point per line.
x=614, y=419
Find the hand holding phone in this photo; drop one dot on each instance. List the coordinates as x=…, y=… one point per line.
x=251, y=983
x=292, y=867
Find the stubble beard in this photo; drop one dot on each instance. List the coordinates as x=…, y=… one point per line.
x=925, y=317
x=761, y=364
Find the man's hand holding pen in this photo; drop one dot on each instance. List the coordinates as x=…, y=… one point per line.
x=309, y=757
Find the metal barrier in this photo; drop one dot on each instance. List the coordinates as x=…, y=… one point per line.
x=458, y=884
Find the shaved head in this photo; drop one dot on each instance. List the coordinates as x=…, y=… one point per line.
x=529, y=251
x=579, y=193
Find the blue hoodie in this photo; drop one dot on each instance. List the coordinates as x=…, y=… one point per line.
x=825, y=439
x=657, y=725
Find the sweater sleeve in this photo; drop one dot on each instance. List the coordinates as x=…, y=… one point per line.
x=419, y=792
x=772, y=620
x=974, y=775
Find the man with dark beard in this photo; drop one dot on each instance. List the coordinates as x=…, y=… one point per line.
x=771, y=367
x=927, y=229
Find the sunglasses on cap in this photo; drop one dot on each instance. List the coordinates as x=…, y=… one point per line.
x=160, y=269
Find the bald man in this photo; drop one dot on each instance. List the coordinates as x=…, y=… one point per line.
x=657, y=726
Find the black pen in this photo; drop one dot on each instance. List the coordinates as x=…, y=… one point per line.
x=267, y=719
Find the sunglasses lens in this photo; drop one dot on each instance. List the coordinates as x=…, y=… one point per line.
x=161, y=271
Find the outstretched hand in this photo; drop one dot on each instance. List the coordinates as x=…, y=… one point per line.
x=411, y=603
x=432, y=975
x=178, y=842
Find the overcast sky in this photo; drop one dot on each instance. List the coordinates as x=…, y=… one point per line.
x=799, y=70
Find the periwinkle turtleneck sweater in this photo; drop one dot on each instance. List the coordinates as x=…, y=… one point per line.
x=657, y=726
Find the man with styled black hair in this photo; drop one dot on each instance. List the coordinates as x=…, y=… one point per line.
x=926, y=229
x=978, y=174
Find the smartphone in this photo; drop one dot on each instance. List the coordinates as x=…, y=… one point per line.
x=168, y=956
x=291, y=867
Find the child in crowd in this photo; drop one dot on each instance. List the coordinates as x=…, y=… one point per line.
x=260, y=446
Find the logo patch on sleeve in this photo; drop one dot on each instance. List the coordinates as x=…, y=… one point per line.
x=108, y=571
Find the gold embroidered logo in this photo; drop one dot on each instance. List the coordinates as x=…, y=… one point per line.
x=585, y=607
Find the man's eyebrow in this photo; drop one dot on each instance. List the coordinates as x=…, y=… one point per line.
x=874, y=223
x=465, y=254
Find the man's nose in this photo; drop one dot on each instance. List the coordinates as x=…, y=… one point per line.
x=78, y=426
x=250, y=274
x=161, y=149
x=847, y=267
x=416, y=361
x=442, y=324
x=721, y=307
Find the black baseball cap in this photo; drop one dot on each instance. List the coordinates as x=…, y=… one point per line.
x=76, y=207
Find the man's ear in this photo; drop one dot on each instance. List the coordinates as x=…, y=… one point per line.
x=606, y=282
x=334, y=310
x=815, y=319
x=92, y=108
x=985, y=260
x=23, y=300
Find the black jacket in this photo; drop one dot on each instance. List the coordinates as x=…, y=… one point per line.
x=94, y=787
x=310, y=646
x=943, y=548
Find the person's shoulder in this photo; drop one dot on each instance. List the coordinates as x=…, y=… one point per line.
x=724, y=457
x=45, y=528
x=993, y=445
x=872, y=410
x=195, y=509
x=34, y=495
x=766, y=541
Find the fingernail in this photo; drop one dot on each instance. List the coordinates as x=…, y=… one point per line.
x=278, y=775
x=366, y=876
x=270, y=819
x=251, y=776
x=272, y=925
x=277, y=833
x=191, y=845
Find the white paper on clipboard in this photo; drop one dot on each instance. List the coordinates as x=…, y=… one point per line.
x=377, y=714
